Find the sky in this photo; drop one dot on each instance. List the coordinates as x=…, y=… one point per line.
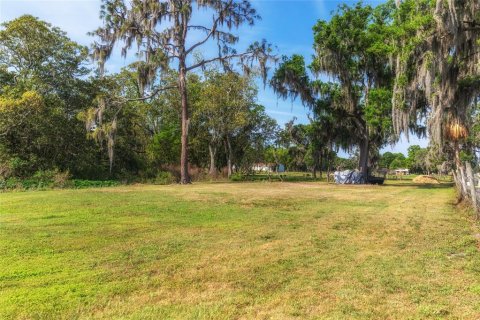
x=287, y=24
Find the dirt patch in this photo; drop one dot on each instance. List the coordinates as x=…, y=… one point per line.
x=426, y=180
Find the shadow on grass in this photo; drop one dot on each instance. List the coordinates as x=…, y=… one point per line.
x=443, y=185
x=283, y=178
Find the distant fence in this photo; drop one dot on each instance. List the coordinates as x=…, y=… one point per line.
x=468, y=186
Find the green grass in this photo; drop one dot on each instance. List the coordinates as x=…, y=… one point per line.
x=238, y=250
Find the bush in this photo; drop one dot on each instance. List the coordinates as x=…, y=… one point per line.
x=13, y=183
x=198, y=174
x=164, y=177
x=80, y=184
x=6, y=171
x=62, y=180
x=47, y=180
x=237, y=177
x=19, y=167
x=40, y=180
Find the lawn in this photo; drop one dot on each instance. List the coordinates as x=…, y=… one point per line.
x=238, y=251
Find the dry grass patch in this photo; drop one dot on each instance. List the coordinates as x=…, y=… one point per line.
x=426, y=180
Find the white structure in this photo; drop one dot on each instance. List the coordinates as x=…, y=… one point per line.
x=402, y=172
x=268, y=167
x=262, y=167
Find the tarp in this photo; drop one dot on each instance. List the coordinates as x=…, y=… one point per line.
x=349, y=177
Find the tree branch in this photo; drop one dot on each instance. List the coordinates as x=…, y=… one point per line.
x=209, y=35
x=204, y=62
x=212, y=30
x=153, y=94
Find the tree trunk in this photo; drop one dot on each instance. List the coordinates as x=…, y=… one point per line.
x=364, y=147
x=315, y=164
x=363, y=161
x=327, y=165
x=458, y=162
x=229, y=156
x=320, y=163
x=213, y=153
x=182, y=83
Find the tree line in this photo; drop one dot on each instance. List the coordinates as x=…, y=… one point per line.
x=418, y=160
x=51, y=118
x=402, y=67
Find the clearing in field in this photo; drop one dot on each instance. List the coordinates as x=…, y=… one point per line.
x=250, y=250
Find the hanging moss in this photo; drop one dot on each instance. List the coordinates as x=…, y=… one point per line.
x=437, y=63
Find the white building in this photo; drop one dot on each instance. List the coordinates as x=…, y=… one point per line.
x=402, y=172
x=268, y=167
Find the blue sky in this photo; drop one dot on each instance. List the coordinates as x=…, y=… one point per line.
x=285, y=23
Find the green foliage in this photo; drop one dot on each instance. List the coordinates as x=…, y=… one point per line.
x=47, y=101
x=236, y=177
x=164, y=147
x=398, y=163
x=291, y=80
x=345, y=164
x=390, y=160
x=378, y=111
x=44, y=91
x=43, y=179
x=355, y=110
x=161, y=33
x=466, y=156
x=164, y=177
x=419, y=160
x=39, y=52
x=227, y=122
x=82, y=184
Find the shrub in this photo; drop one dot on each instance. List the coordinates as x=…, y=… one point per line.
x=198, y=174
x=237, y=177
x=6, y=171
x=40, y=180
x=13, y=183
x=80, y=184
x=164, y=177
x=62, y=180
x=48, y=179
x=19, y=167
x=52, y=179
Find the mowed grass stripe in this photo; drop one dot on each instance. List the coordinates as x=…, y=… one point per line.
x=249, y=250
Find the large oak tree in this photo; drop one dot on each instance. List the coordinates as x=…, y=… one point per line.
x=354, y=108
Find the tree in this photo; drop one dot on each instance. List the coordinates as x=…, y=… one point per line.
x=355, y=109
x=16, y=111
x=252, y=140
x=35, y=51
x=399, y=162
x=436, y=65
x=43, y=89
x=351, y=48
x=223, y=108
x=386, y=159
x=119, y=101
x=164, y=32
x=330, y=128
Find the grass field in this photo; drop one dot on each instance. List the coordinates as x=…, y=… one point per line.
x=238, y=251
